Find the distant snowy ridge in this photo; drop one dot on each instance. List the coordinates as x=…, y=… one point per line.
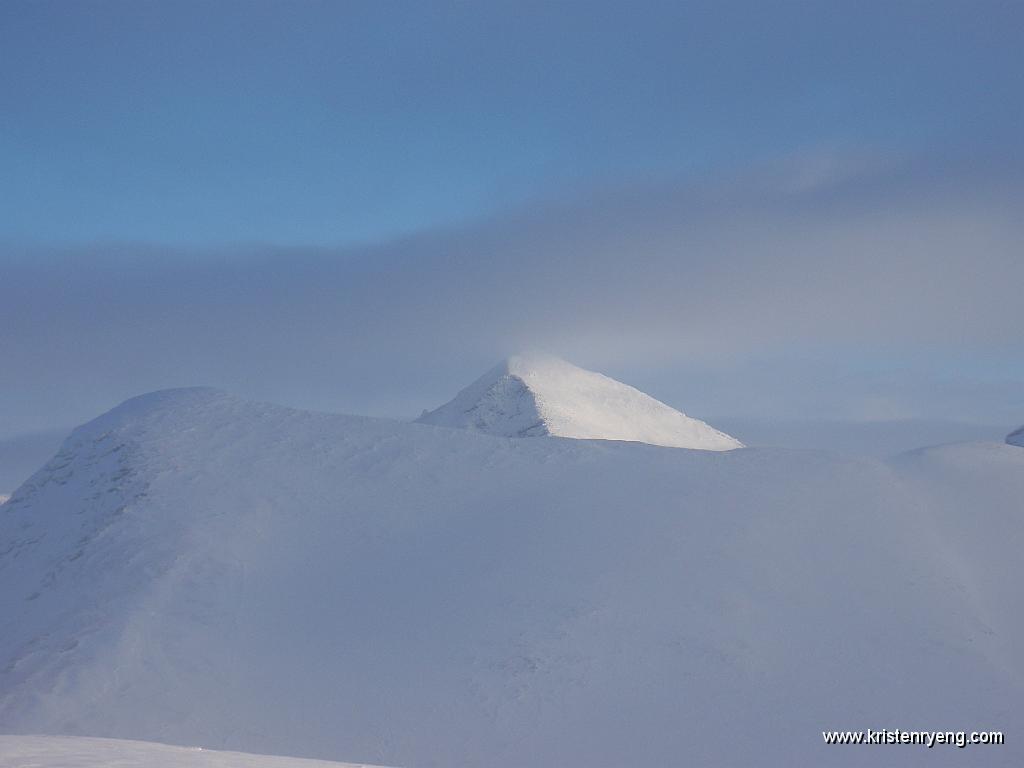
x=83, y=752
x=1016, y=437
x=538, y=395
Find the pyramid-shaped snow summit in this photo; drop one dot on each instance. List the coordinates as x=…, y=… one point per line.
x=534, y=396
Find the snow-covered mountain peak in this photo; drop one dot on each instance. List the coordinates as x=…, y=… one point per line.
x=155, y=410
x=189, y=553
x=538, y=395
x=1016, y=437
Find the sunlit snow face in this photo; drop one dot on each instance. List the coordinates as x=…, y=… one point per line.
x=544, y=396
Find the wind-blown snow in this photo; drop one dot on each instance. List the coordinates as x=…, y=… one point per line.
x=540, y=395
x=1016, y=437
x=77, y=752
x=196, y=569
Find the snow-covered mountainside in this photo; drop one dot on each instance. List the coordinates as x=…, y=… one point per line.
x=540, y=395
x=78, y=752
x=196, y=569
x=1016, y=437
x=21, y=455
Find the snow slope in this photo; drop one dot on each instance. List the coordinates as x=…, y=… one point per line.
x=21, y=455
x=878, y=439
x=539, y=395
x=197, y=569
x=71, y=752
x=1016, y=437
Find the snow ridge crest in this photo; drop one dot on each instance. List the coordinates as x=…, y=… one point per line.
x=541, y=395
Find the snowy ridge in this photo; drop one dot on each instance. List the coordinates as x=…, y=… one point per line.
x=540, y=395
x=72, y=752
x=1016, y=437
x=193, y=568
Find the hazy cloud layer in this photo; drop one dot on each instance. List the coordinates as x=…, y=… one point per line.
x=719, y=295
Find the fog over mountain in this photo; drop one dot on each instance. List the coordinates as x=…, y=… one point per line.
x=824, y=286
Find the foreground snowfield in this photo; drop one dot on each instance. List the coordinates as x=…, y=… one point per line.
x=72, y=752
x=196, y=569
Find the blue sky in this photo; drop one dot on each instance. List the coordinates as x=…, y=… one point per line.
x=788, y=209
x=332, y=123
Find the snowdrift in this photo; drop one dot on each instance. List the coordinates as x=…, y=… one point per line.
x=196, y=569
x=71, y=752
